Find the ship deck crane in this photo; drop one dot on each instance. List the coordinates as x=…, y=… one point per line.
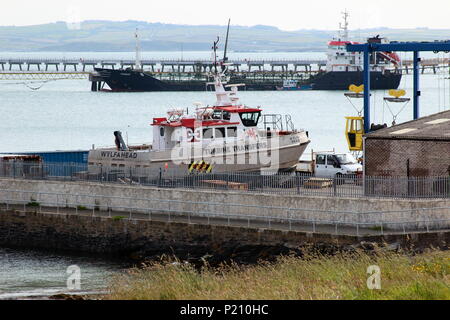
x=415, y=47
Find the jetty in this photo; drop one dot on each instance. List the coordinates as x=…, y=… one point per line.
x=58, y=69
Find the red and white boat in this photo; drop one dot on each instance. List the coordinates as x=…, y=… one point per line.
x=225, y=137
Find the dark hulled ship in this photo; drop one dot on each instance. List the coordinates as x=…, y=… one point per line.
x=342, y=70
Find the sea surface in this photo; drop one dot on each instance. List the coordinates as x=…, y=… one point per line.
x=66, y=115
x=28, y=274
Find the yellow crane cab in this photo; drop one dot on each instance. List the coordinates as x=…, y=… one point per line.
x=354, y=131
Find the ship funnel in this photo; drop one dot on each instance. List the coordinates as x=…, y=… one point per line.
x=120, y=144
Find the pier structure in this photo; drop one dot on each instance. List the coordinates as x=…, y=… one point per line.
x=175, y=65
x=43, y=75
x=427, y=65
x=35, y=68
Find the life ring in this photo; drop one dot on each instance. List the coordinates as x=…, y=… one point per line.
x=193, y=136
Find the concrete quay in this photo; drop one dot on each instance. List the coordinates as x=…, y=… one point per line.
x=109, y=218
x=367, y=211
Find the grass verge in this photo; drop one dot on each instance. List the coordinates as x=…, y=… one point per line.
x=342, y=276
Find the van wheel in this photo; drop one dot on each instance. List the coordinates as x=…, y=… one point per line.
x=339, y=179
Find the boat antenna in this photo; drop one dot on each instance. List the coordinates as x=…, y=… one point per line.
x=344, y=27
x=225, y=58
x=215, y=54
x=138, y=52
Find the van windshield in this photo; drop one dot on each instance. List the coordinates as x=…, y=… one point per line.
x=346, y=158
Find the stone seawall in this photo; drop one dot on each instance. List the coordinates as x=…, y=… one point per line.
x=124, y=237
x=345, y=210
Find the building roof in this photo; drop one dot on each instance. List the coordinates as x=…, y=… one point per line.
x=432, y=127
x=19, y=157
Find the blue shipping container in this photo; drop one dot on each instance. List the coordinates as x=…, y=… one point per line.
x=62, y=163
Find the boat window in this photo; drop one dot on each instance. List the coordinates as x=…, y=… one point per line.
x=219, y=133
x=217, y=114
x=321, y=159
x=250, y=119
x=161, y=131
x=226, y=115
x=232, y=132
x=207, y=133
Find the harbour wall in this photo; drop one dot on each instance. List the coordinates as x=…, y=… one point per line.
x=69, y=231
x=102, y=235
x=392, y=212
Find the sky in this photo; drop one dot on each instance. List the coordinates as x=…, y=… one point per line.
x=287, y=15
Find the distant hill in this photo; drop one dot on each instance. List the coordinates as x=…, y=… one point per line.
x=118, y=36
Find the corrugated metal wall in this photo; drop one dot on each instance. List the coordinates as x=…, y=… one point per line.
x=68, y=162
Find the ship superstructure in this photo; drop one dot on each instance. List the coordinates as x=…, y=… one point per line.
x=345, y=68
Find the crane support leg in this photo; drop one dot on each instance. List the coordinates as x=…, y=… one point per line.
x=416, y=85
x=366, y=91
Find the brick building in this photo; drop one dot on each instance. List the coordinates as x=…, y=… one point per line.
x=418, y=148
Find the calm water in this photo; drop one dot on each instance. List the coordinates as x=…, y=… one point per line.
x=65, y=115
x=26, y=274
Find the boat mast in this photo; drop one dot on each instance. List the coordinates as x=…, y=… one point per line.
x=214, y=48
x=137, y=64
x=222, y=96
x=344, y=26
x=225, y=58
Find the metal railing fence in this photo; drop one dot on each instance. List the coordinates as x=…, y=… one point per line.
x=296, y=183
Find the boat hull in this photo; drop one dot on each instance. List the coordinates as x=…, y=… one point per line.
x=342, y=80
x=135, y=81
x=279, y=153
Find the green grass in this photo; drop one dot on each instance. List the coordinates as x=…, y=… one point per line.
x=118, y=218
x=343, y=276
